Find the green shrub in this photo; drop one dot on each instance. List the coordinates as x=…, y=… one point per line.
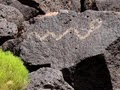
x=13, y=74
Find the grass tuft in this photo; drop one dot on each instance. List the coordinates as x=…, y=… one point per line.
x=13, y=73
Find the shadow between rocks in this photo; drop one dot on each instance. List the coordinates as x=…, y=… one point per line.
x=4, y=39
x=32, y=68
x=33, y=4
x=90, y=74
x=88, y=4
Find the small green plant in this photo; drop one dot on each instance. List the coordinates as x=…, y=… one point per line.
x=13, y=74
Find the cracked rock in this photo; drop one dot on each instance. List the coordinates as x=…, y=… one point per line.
x=8, y=30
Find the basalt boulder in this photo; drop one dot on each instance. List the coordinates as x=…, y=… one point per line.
x=11, y=14
x=8, y=30
x=27, y=11
x=63, y=39
x=108, y=5
x=113, y=61
x=48, y=79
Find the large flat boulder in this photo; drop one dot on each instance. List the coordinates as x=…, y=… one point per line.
x=48, y=79
x=62, y=39
x=100, y=5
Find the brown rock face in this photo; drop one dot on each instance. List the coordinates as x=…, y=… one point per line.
x=89, y=74
x=10, y=21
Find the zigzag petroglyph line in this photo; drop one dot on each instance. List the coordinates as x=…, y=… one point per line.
x=94, y=25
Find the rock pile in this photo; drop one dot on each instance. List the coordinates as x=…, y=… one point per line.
x=65, y=44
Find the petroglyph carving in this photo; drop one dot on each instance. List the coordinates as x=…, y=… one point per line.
x=94, y=25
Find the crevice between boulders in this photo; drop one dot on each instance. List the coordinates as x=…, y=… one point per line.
x=88, y=4
x=33, y=68
x=82, y=5
x=3, y=39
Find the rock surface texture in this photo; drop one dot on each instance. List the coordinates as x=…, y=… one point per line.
x=27, y=11
x=63, y=44
x=65, y=38
x=48, y=79
x=113, y=61
x=11, y=14
x=100, y=5
x=56, y=5
x=108, y=5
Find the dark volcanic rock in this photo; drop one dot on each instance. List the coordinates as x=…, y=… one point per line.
x=48, y=79
x=101, y=5
x=27, y=11
x=108, y=5
x=8, y=30
x=90, y=74
x=113, y=61
x=56, y=5
x=63, y=39
x=11, y=14
x=12, y=45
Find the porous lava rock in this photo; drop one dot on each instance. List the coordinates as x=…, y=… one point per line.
x=108, y=5
x=62, y=39
x=113, y=62
x=27, y=11
x=48, y=79
x=7, y=28
x=56, y=5
x=11, y=14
